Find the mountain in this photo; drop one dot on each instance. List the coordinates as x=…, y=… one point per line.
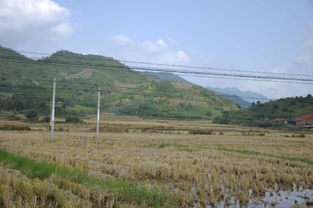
x=248, y=96
x=227, y=94
x=25, y=85
x=286, y=108
x=241, y=102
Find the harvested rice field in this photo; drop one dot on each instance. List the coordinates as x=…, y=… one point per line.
x=155, y=163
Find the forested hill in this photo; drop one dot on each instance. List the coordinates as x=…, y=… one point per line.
x=25, y=85
x=286, y=108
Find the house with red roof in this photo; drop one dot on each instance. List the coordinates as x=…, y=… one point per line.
x=307, y=118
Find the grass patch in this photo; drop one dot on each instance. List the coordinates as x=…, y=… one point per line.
x=246, y=152
x=298, y=159
x=154, y=197
x=163, y=145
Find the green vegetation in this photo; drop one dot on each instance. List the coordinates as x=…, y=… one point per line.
x=129, y=191
x=125, y=92
x=72, y=119
x=264, y=115
x=163, y=145
x=32, y=115
x=241, y=102
x=166, y=77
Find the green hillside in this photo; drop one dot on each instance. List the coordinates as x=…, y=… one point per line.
x=166, y=77
x=259, y=114
x=170, y=77
x=25, y=86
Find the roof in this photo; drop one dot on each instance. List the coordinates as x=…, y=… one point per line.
x=306, y=117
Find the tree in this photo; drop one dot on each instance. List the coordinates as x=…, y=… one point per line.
x=32, y=115
x=275, y=107
x=285, y=109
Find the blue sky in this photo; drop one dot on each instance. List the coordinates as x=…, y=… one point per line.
x=262, y=35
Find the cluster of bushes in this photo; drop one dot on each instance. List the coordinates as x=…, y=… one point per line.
x=72, y=119
x=32, y=115
x=165, y=110
x=247, y=118
x=248, y=122
x=25, y=101
x=35, y=102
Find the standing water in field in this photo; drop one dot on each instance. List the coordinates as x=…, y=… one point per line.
x=281, y=199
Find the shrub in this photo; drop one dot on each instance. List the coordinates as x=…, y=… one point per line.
x=201, y=131
x=32, y=115
x=301, y=135
x=46, y=119
x=209, y=114
x=72, y=119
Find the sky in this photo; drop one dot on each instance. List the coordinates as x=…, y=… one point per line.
x=255, y=35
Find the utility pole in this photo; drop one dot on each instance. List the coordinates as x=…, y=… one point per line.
x=98, y=113
x=52, y=112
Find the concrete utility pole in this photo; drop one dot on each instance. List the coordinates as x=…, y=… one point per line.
x=98, y=113
x=52, y=111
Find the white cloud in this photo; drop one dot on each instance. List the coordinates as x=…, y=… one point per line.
x=179, y=57
x=305, y=58
x=161, y=43
x=309, y=43
x=280, y=70
x=152, y=51
x=121, y=39
x=24, y=21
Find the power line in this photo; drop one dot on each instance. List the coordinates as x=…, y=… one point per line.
x=81, y=64
x=230, y=78
x=165, y=70
x=225, y=75
x=69, y=81
x=180, y=66
x=214, y=68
